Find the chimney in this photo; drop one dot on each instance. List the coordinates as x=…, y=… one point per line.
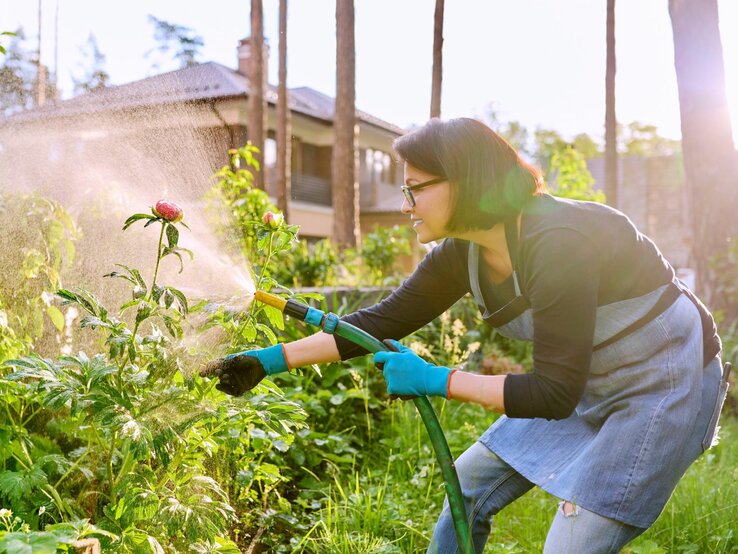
x=244, y=57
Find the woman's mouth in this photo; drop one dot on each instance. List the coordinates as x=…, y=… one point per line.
x=417, y=222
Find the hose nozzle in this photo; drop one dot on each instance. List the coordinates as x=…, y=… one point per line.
x=270, y=300
x=289, y=307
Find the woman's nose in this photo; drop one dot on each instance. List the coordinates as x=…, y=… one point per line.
x=406, y=208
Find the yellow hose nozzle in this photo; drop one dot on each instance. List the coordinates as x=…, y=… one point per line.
x=270, y=300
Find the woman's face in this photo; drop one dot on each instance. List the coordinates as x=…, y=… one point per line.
x=432, y=207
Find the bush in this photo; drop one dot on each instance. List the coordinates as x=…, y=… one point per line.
x=132, y=439
x=43, y=237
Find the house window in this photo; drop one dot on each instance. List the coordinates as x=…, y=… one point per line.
x=377, y=166
x=270, y=152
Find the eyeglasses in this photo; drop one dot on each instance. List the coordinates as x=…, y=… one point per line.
x=407, y=190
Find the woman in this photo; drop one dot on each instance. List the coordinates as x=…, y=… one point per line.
x=624, y=391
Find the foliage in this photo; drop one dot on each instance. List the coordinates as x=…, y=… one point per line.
x=643, y=140
x=322, y=264
x=10, y=344
x=586, y=147
x=236, y=207
x=129, y=438
x=177, y=41
x=18, y=76
x=45, y=234
x=313, y=265
x=15, y=535
x=513, y=132
x=547, y=143
x=380, y=250
x=4, y=34
x=93, y=75
x=572, y=179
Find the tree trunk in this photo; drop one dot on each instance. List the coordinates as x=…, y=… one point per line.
x=710, y=163
x=40, y=69
x=435, y=110
x=345, y=187
x=284, y=138
x=257, y=104
x=611, y=123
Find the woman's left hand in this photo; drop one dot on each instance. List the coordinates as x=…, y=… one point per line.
x=407, y=374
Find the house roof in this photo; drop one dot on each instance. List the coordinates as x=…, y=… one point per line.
x=206, y=81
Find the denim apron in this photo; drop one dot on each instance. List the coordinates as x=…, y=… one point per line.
x=649, y=408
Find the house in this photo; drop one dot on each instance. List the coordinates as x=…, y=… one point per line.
x=172, y=132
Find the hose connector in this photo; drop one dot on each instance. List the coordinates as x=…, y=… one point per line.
x=330, y=322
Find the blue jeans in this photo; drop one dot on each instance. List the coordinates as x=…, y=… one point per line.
x=489, y=484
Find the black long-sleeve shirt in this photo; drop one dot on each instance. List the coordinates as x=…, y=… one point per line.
x=572, y=257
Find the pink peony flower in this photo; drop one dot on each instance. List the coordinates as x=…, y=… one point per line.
x=168, y=211
x=272, y=220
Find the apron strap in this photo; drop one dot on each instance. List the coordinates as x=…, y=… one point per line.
x=511, y=236
x=669, y=296
x=509, y=311
x=473, y=264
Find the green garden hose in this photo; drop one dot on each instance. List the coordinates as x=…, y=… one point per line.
x=330, y=323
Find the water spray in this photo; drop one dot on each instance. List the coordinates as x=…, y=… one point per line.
x=330, y=323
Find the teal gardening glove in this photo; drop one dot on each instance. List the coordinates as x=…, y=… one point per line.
x=407, y=374
x=242, y=371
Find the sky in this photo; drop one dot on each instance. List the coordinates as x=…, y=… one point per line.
x=540, y=62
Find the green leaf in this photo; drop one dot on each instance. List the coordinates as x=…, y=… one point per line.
x=168, y=298
x=67, y=295
x=93, y=322
x=172, y=235
x=156, y=293
x=311, y=295
x=17, y=543
x=275, y=316
x=249, y=331
x=181, y=263
x=174, y=328
x=120, y=276
x=144, y=311
x=57, y=462
x=137, y=275
x=57, y=318
x=181, y=299
x=16, y=484
x=130, y=304
x=268, y=332
x=131, y=220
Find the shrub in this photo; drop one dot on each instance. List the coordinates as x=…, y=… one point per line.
x=132, y=439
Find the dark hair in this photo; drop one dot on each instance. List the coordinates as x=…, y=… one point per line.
x=489, y=180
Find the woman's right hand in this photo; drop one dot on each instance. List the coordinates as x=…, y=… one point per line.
x=242, y=371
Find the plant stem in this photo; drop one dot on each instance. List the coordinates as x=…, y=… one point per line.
x=109, y=467
x=153, y=281
x=158, y=259
x=266, y=263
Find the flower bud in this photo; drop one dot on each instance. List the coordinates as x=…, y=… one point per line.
x=272, y=220
x=168, y=211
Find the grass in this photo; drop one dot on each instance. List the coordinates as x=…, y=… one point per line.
x=390, y=502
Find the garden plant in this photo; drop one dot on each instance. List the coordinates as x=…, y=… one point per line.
x=124, y=442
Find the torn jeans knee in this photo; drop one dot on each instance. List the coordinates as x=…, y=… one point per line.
x=569, y=509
